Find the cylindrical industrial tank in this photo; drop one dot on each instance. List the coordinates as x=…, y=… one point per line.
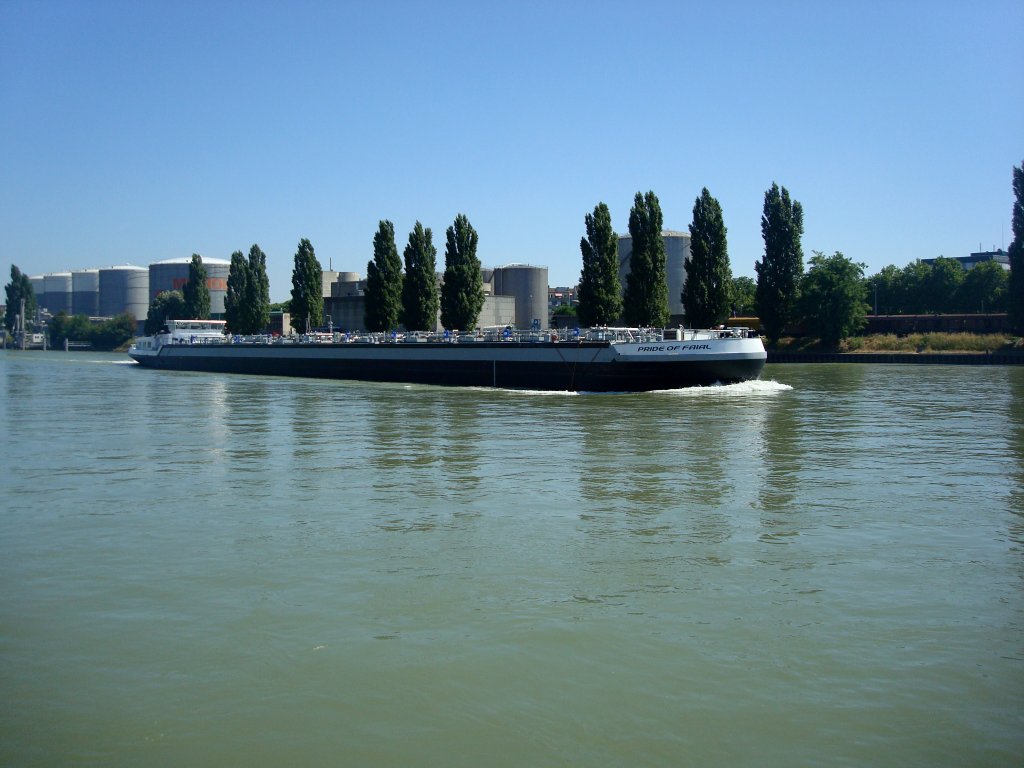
x=529, y=286
x=345, y=284
x=677, y=253
x=38, y=289
x=124, y=289
x=85, y=292
x=172, y=275
x=57, y=292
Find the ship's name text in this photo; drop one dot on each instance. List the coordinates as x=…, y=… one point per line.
x=673, y=348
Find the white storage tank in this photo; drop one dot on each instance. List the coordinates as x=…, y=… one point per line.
x=528, y=285
x=85, y=292
x=57, y=292
x=172, y=275
x=124, y=289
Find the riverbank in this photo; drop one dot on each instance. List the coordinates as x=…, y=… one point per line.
x=913, y=358
x=918, y=348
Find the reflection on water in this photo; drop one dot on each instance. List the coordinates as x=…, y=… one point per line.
x=1016, y=449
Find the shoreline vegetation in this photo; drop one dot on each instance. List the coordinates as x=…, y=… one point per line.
x=914, y=343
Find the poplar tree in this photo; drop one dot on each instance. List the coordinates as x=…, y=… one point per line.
x=646, y=301
x=420, y=301
x=257, y=306
x=599, y=296
x=196, y=292
x=307, y=304
x=1016, y=253
x=462, y=294
x=237, y=293
x=383, y=281
x=706, y=299
x=779, y=272
x=19, y=288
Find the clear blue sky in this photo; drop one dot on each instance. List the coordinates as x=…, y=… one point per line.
x=139, y=131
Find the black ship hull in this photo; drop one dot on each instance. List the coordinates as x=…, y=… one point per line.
x=584, y=367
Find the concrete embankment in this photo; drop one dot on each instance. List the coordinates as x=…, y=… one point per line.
x=913, y=358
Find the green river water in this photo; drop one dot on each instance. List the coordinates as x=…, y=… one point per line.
x=822, y=568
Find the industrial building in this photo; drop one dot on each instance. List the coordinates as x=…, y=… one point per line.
x=85, y=292
x=57, y=293
x=999, y=256
x=124, y=288
x=172, y=275
x=516, y=294
x=528, y=286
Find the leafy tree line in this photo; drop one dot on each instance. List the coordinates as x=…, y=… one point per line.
x=247, y=300
x=246, y=303
x=709, y=295
x=104, y=335
x=942, y=287
x=412, y=299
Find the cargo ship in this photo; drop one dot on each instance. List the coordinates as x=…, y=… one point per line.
x=591, y=360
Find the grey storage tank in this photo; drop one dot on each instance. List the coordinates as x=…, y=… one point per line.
x=38, y=289
x=172, y=275
x=677, y=253
x=85, y=292
x=528, y=285
x=124, y=289
x=57, y=292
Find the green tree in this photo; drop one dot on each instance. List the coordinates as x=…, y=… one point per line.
x=420, y=300
x=384, y=281
x=307, y=303
x=111, y=334
x=19, y=288
x=943, y=284
x=168, y=305
x=196, y=291
x=984, y=288
x=104, y=335
x=1015, y=298
x=914, y=288
x=779, y=272
x=833, y=297
x=708, y=275
x=462, y=293
x=742, y=295
x=237, y=293
x=885, y=291
x=645, y=303
x=599, y=296
x=257, y=307
x=566, y=310
x=64, y=327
